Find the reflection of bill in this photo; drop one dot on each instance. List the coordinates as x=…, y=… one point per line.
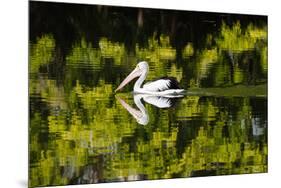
x=141, y=114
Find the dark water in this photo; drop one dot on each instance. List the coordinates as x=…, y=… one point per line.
x=82, y=132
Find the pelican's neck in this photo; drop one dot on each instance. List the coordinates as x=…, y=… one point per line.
x=139, y=82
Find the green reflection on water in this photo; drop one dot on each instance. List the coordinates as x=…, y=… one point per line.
x=80, y=133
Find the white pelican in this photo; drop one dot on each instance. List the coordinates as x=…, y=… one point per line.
x=161, y=87
x=141, y=114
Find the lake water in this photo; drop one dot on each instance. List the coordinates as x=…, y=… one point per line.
x=82, y=132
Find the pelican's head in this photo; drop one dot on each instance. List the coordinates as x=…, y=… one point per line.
x=143, y=65
x=141, y=69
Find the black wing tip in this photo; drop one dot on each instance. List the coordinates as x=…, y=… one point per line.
x=174, y=84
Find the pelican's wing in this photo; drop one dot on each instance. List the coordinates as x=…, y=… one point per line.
x=160, y=102
x=162, y=84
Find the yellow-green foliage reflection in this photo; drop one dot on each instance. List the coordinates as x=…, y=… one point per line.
x=188, y=50
x=157, y=50
x=233, y=38
x=41, y=53
x=76, y=123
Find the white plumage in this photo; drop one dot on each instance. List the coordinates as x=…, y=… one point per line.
x=161, y=87
x=158, y=85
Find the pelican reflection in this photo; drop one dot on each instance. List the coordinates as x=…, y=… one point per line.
x=140, y=113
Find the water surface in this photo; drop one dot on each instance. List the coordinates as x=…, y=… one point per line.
x=82, y=132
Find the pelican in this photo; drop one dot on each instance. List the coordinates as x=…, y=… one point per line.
x=140, y=113
x=160, y=87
